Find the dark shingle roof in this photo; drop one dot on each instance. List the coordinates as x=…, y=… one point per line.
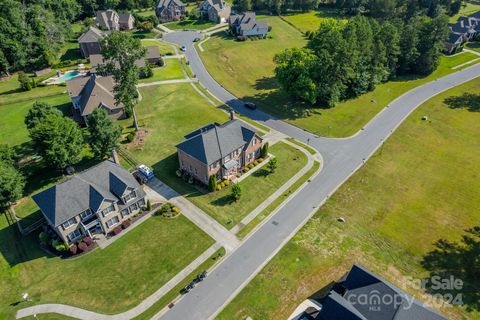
x=361, y=283
x=91, y=35
x=106, y=19
x=454, y=37
x=162, y=4
x=214, y=141
x=247, y=21
x=123, y=18
x=86, y=190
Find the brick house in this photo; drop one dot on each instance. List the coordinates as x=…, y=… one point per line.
x=89, y=41
x=222, y=150
x=216, y=11
x=92, y=202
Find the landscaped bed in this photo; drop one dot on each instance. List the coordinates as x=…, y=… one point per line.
x=247, y=70
x=125, y=273
x=419, y=188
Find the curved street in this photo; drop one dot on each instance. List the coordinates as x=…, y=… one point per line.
x=342, y=157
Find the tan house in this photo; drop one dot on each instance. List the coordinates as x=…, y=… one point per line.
x=222, y=150
x=111, y=20
x=216, y=11
x=92, y=202
x=89, y=41
x=91, y=92
x=170, y=10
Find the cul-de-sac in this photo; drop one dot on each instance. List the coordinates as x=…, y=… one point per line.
x=240, y=159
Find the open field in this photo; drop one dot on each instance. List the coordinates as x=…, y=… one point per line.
x=310, y=21
x=420, y=187
x=247, y=70
x=255, y=188
x=171, y=70
x=124, y=273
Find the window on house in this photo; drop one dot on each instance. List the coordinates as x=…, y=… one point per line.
x=227, y=158
x=110, y=223
x=250, y=156
x=108, y=210
x=133, y=207
x=254, y=141
x=69, y=223
x=130, y=196
x=141, y=202
x=196, y=171
x=74, y=235
x=85, y=214
x=125, y=212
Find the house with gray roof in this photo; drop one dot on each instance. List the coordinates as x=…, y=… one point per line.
x=91, y=92
x=463, y=30
x=366, y=296
x=89, y=41
x=217, y=11
x=217, y=149
x=170, y=10
x=91, y=202
x=111, y=20
x=247, y=25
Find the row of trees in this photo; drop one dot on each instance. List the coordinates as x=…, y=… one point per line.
x=12, y=181
x=276, y=6
x=400, y=8
x=344, y=60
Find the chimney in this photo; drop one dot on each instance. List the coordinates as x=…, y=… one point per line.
x=232, y=115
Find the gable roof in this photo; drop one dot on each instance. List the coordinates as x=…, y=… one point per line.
x=124, y=17
x=454, y=37
x=360, y=284
x=85, y=190
x=163, y=4
x=94, y=91
x=106, y=19
x=91, y=35
x=214, y=141
x=153, y=52
x=217, y=5
x=97, y=59
x=247, y=21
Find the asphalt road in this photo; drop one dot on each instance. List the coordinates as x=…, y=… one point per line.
x=342, y=157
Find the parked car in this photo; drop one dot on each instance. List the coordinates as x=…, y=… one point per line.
x=183, y=48
x=143, y=174
x=196, y=39
x=250, y=105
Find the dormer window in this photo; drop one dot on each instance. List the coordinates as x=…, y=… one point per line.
x=227, y=158
x=70, y=222
x=130, y=196
x=85, y=214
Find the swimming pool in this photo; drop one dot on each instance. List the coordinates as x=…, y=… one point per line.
x=68, y=75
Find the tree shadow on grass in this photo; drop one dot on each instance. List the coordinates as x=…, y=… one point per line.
x=261, y=173
x=468, y=101
x=460, y=260
x=223, y=201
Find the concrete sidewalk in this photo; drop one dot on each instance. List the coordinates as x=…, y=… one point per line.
x=157, y=83
x=79, y=313
x=164, y=29
x=209, y=225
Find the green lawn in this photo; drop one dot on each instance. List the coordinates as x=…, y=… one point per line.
x=247, y=70
x=14, y=131
x=420, y=187
x=310, y=21
x=146, y=13
x=171, y=70
x=255, y=189
x=165, y=48
x=111, y=280
x=466, y=10
x=176, y=109
x=190, y=24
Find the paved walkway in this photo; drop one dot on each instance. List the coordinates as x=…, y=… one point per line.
x=174, y=56
x=164, y=29
x=216, y=31
x=214, y=229
x=279, y=192
x=157, y=83
x=220, y=25
x=78, y=313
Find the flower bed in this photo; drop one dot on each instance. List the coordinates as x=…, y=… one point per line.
x=168, y=210
x=63, y=250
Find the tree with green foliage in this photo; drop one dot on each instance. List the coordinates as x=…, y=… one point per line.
x=11, y=184
x=212, y=183
x=264, y=150
x=236, y=191
x=24, y=81
x=243, y=5
x=272, y=165
x=293, y=70
x=59, y=140
x=38, y=112
x=7, y=154
x=4, y=65
x=120, y=51
x=433, y=34
x=104, y=133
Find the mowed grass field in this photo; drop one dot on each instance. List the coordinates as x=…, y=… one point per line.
x=309, y=21
x=247, y=70
x=165, y=48
x=170, y=71
x=422, y=186
x=111, y=280
x=256, y=188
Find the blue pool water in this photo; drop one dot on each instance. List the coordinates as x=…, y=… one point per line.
x=68, y=75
